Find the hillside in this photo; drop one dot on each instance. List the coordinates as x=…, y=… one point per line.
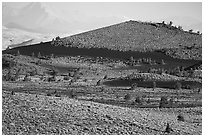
x=125, y=37
x=142, y=36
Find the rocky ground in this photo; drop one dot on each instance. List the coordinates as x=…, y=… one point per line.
x=32, y=114
x=42, y=107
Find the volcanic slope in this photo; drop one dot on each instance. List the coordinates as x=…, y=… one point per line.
x=141, y=36
x=125, y=37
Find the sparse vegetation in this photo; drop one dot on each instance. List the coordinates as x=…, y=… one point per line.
x=63, y=94
x=71, y=94
x=98, y=82
x=100, y=37
x=18, y=53
x=180, y=118
x=178, y=86
x=26, y=78
x=127, y=97
x=154, y=85
x=168, y=129
x=163, y=102
x=190, y=31
x=138, y=100
x=134, y=86
x=170, y=23
x=39, y=55
x=171, y=101
x=105, y=77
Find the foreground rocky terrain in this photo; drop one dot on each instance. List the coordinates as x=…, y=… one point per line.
x=24, y=113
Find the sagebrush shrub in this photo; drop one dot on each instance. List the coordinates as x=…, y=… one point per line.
x=163, y=102
x=105, y=77
x=49, y=94
x=57, y=95
x=71, y=94
x=127, y=97
x=138, y=100
x=171, y=101
x=26, y=78
x=178, y=85
x=148, y=100
x=168, y=129
x=12, y=93
x=180, y=118
x=134, y=86
x=154, y=85
x=98, y=82
x=66, y=78
x=199, y=90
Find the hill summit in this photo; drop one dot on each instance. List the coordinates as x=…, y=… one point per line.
x=142, y=36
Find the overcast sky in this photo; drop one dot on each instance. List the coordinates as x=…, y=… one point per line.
x=188, y=15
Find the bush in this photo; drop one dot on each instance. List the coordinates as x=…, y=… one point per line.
x=50, y=79
x=199, y=90
x=154, y=85
x=163, y=102
x=127, y=97
x=12, y=93
x=187, y=87
x=26, y=78
x=8, y=76
x=148, y=101
x=41, y=77
x=162, y=62
x=18, y=53
x=71, y=94
x=168, y=129
x=8, y=61
x=170, y=23
x=138, y=100
x=53, y=72
x=180, y=118
x=190, y=31
x=98, y=83
x=39, y=55
x=105, y=77
x=178, y=85
x=33, y=72
x=171, y=101
x=17, y=74
x=66, y=78
x=57, y=95
x=49, y=94
x=85, y=80
x=33, y=55
x=134, y=86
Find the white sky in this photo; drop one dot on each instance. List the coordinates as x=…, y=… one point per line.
x=187, y=14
